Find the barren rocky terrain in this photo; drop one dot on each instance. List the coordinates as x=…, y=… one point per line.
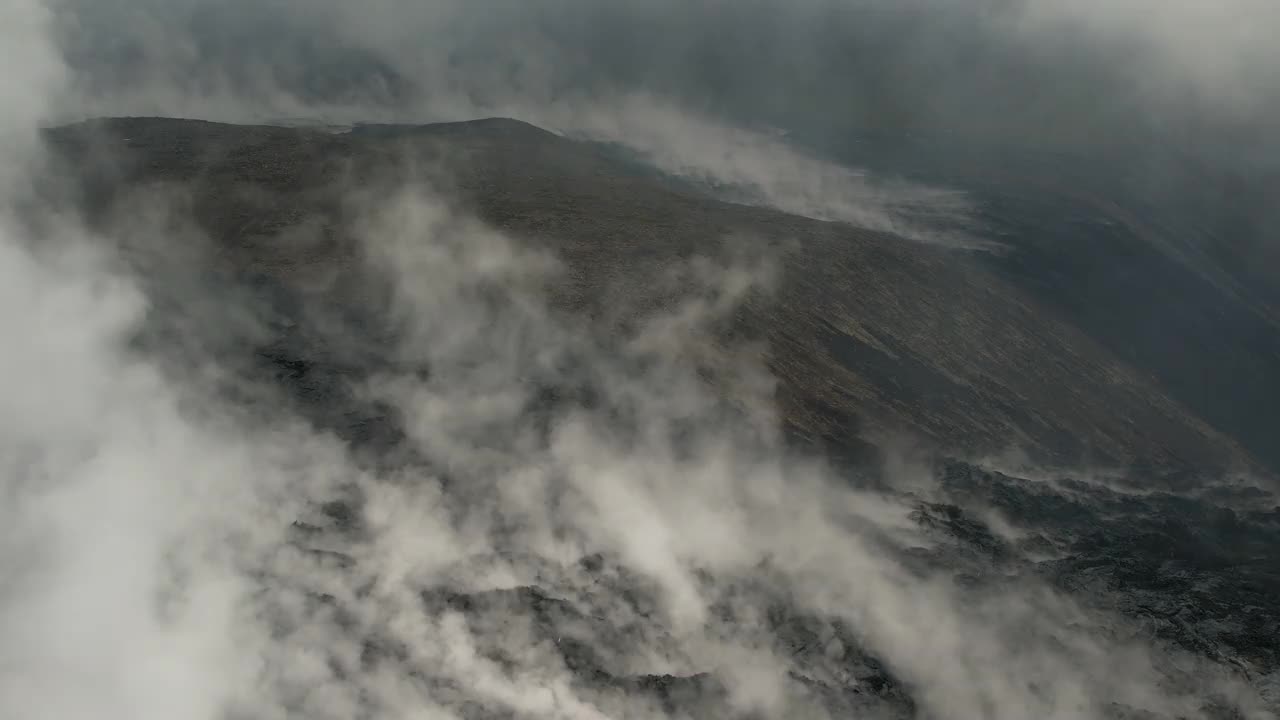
x=1150, y=522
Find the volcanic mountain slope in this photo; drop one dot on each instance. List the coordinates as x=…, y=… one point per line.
x=977, y=594
x=864, y=332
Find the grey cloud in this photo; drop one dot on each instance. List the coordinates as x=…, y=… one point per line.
x=1039, y=69
x=696, y=87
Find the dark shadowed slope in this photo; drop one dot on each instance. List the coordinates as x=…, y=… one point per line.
x=865, y=332
x=1171, y=262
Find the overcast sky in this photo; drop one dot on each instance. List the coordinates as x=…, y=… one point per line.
x=1021, y=69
